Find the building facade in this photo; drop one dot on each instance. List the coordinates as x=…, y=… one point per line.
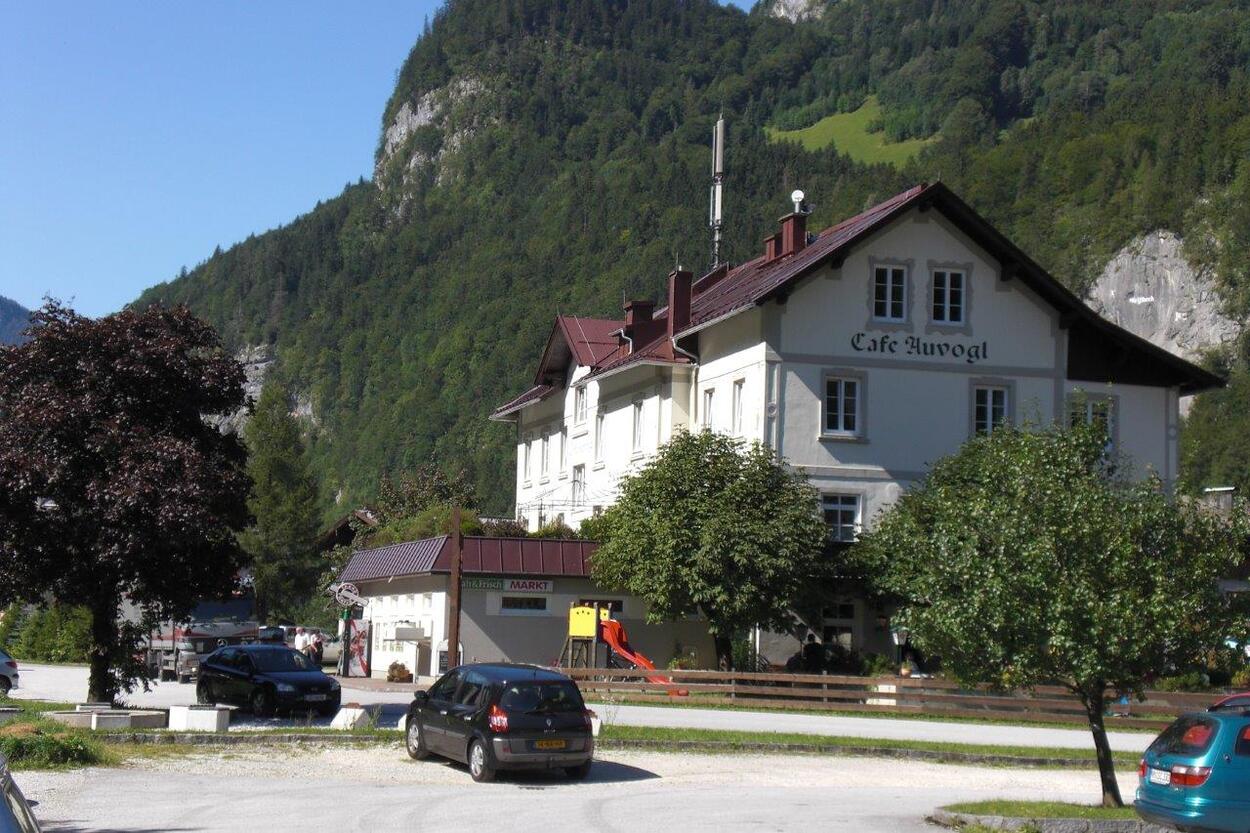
x=515, y=598
x=860, y=354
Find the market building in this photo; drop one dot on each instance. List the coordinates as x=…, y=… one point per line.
x=515, y=598
x=860, y=354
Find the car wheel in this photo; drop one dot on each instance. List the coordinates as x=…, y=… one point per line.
x=262, y=702
x=414, y=739
x=6, y=685
x=578, y=773
x=204, y=693
x=479, y=764
x=327, y=711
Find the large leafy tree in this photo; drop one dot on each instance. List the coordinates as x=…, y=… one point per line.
x=717, y=526
x=1026, y=559
x=284, y=502
x=112, y=483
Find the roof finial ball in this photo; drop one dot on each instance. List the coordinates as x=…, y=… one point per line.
x=798, y=198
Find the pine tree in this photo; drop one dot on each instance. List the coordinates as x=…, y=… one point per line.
x=281, y=541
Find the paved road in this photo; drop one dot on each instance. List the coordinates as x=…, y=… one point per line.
x=69, y=684
x=380, y=790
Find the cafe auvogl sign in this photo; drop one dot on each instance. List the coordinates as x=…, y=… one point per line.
x=927, y=347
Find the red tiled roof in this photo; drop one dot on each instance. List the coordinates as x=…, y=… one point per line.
x=396, y=560
x=486, y=556
x=658, y=350
x=532, y=395
x=592, y=340
x=755, y=280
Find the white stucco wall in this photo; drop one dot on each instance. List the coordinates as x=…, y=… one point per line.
x=490, y=634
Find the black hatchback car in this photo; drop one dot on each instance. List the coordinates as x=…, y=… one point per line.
x=266, y=678
x=494, y=717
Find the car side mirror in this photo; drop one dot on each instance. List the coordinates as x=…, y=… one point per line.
x=421, y=698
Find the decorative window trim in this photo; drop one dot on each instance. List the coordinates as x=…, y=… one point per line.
x=600, y=421
x=963, y=327
x=909, y=295
x=737, y=407
x=858, y=497
x=637, y=432
x=860, y=434
x=990, y=382
x=581, y=398
x=1086, y=397
x=527, y=462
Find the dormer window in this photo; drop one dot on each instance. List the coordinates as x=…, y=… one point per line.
x=889, y=294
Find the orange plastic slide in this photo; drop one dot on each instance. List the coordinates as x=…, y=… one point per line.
x=613, y=633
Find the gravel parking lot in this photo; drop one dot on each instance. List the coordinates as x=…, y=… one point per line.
x=379, y=789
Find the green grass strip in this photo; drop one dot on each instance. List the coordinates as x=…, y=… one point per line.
x=659, y=735
x=1039, y=810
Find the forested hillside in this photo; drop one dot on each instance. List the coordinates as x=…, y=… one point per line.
x=552, y=154
x=13, y=318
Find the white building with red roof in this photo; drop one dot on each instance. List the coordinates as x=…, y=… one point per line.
x=860, y=354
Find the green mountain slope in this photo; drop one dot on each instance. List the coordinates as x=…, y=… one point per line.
x=13, y=318
x=543, y=155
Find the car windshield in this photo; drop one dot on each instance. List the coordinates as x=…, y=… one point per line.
x=281, y=661
x=1189, y=736
x=557, y=696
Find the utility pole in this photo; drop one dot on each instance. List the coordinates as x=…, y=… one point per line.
x=453, y=629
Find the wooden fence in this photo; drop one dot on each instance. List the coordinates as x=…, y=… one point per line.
x=896, y=695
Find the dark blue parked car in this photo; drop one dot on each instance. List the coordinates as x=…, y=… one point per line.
x=1196, y=775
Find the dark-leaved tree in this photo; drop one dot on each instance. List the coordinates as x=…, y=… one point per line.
x=1025, y=560
x=716, y=526
x=282, y=539
x=113, y=486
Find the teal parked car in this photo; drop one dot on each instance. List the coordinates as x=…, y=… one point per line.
x=1196, y=775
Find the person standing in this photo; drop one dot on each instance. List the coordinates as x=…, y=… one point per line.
x=301, y=641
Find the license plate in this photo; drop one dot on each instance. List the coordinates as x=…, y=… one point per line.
x=314, y=697
x=1160, y=776
x=548, y=744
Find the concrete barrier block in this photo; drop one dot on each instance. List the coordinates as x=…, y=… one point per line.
x=350, y=717
x=75, y=719
x=199, y=718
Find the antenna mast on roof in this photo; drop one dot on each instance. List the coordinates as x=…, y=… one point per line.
x=715, y=220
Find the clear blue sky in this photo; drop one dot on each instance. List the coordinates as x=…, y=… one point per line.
x=135, y=137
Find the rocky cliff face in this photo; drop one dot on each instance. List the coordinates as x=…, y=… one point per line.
x=256, y=363
x=425, y=129
x=797, y=10
x=1150, y=289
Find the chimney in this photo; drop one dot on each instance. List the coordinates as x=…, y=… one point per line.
x=772, y=247
x=637, y=312
x=793, y=233
x=679, y=283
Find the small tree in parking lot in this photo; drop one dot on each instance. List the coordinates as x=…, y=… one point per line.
x=714, y=525
x=1025, y=559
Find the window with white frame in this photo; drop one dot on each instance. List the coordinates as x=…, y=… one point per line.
x=579, y=486
x=564, y=446
x=989, y=407
x=525, y=455
x=599, y=437
x=841, y=516
x=579, y=404
x=842, y=406
x=948, y=297
x=709, y=399
x=637, y=434
x=1096, y=410
x=544, y=456
x=736, y=416
x=889, y=293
